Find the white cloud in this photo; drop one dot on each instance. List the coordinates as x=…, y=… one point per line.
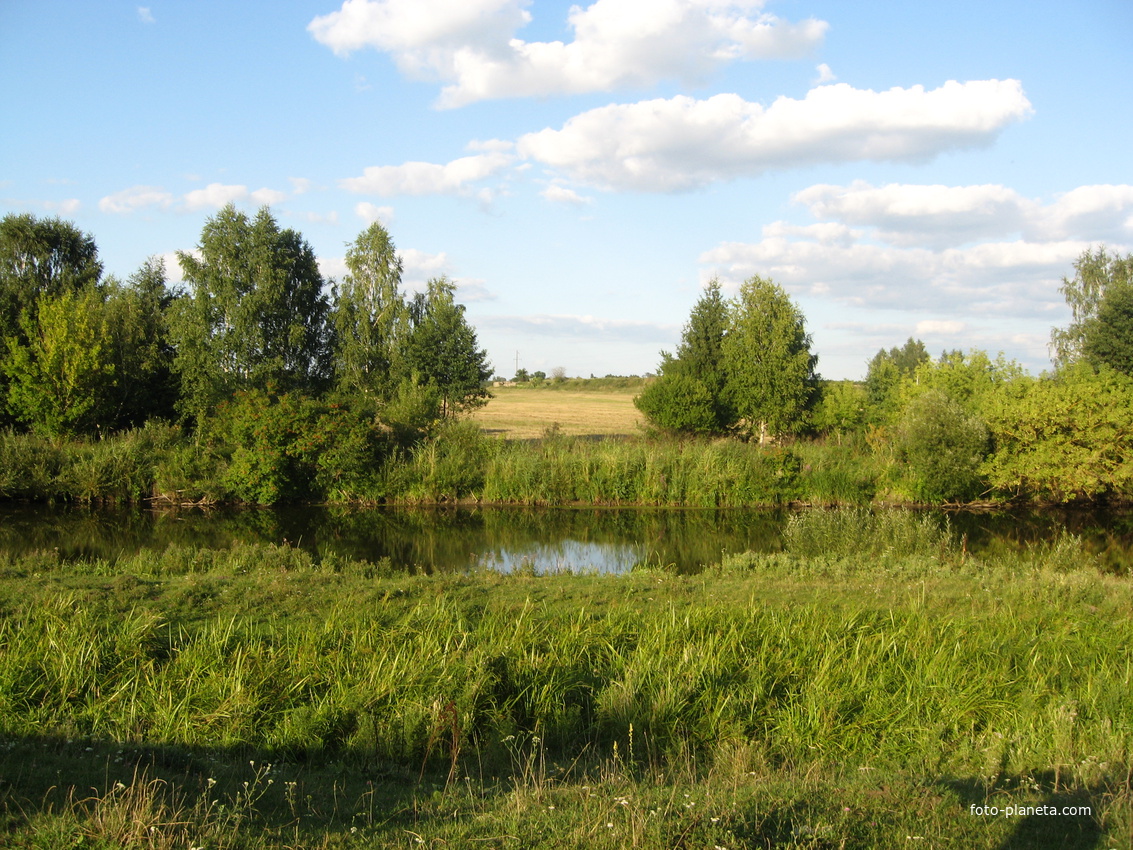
x=937, y=327
x=426, y=178
x=939, y=216
x=562, y=195
x=371, y=213
x=68, y=206
x=332, y=267
x=419, y=266
x=218, y=195
x=215, y=195
x=958, y=251
x=134, y=198
x=825, y=75
x=145, y=15
x=683, y=143
x=267, y=197
x=921, y=214
x=617, y=43
x=299, y=185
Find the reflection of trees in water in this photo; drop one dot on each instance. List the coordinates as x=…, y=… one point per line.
x=456, y=538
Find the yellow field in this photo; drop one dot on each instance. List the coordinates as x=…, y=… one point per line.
x=525, y=412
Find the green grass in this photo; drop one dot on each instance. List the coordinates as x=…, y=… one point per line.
x=829, y=697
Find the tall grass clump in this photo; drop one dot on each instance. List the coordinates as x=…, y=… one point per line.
x=722, y=473
x=864, y=533
x=122, y=467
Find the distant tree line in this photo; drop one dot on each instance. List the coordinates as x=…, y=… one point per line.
x=958, y=427
x=82, y=354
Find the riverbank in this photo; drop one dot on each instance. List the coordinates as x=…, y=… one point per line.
x=872, y=682
x=160, y=463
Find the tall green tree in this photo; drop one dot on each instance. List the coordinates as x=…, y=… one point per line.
x=370, y=317
x=689, y=394
x=255, y=315
x=58, y=371
x=885, y=373
x=145, y=386
x=1108, y=338
x=1096, y=272
x=770, y=368
x=442, y=349
x=39, y=258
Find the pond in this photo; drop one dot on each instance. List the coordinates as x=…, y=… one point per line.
x=462, y=538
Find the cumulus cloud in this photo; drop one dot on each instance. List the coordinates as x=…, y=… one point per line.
x=68, y=206
x=921, y=214
x=562, y=195
x=135, y=198
x=937, y=216
x=952, y=251
x=427, y=178
x=419, y=266
x=145, y=15
x=217, y=195
x=683, y=143
x=617, y=43
x=371, y=213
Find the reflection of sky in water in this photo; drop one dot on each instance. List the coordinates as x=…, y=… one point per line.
x=573, y=555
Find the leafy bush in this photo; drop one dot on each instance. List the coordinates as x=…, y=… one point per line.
x=944, y=446
x=680, y=404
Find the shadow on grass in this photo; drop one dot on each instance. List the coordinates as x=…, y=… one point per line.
x=301, y=795
x=1052, y=816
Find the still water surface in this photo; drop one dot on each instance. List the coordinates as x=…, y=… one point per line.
x=546, y=540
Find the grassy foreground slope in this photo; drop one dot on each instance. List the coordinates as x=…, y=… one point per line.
x=870, y=686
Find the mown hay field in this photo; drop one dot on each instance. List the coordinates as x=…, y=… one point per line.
x=522, y=413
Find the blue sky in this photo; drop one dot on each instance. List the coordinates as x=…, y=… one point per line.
x=902, y=169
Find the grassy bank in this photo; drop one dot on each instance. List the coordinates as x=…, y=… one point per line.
x=458, y=463
x=871, y=683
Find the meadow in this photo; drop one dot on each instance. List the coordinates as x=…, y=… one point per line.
x=574, y=408
x=871, y=685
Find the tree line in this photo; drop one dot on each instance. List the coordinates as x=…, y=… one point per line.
x=83, y=354
x=960, y=426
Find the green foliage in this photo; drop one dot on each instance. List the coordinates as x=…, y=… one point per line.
x=256, y=315
x=841, y=407
x=58, y=378
x=680, y=403
x=144, y=385
x=442, y=349
x=39, y=258
x=970, y=379
x=771, y=379
x=886, y=371
x=692, y=386
x=275, y=440
x=861, y=533
x=1096, y=272
x=370, y=316
x=1064, y=437
x=944, y=446
x=1108, y=339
